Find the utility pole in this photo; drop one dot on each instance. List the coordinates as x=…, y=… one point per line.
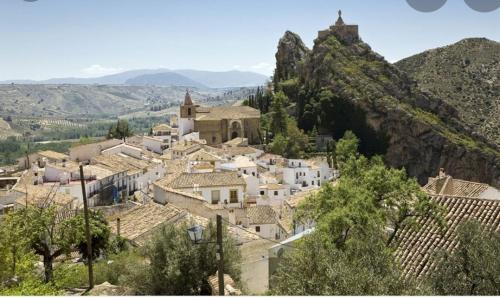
x=220, y=256
x=87, y=230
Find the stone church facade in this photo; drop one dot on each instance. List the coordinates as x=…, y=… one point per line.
x=220, y=124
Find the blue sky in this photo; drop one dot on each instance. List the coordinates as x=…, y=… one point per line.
x=59, y=38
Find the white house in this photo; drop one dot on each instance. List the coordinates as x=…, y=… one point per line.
x=252, y=183
x=125, y=149
x=225, y=188
x=156, y=144
x=273, y=194
x=263, y=220
x=99, y=180
x=303, y=174
x=84, y=153
x=202, y=156
x=241, y=164
x=141, y=173
x=184, y=148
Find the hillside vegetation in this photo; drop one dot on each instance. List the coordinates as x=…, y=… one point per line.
x=343, y=85
x=466, y=76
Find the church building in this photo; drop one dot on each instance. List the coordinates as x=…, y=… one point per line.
x=219, y=124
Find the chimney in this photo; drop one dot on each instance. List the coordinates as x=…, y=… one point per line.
x=118, y=226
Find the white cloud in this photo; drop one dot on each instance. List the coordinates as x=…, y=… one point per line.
x=100, y=70
x=236, y=67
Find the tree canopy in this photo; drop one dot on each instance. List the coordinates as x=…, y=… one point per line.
x=356, y=222
x=120, y=130
x=473, y=268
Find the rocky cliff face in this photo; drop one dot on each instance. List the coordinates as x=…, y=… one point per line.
x=291, y=51
x=464, y=75
x=349, y=87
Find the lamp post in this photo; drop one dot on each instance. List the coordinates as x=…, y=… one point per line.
x=196, y=235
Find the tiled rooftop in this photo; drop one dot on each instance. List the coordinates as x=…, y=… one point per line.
x=226, y=112
x=138, y=224
x=416, y=247
x=261, y=214
x=446, y=185
x=189, y=180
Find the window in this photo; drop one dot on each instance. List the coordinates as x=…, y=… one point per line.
x=214, y=139
x=253, y=173
x=319, y=174
x=275, y=193
x=189, y=111
x=215, y=196
x=262, y=193
x=257, y=228
x=244, y=171
x=312, y=182
x=233, y=196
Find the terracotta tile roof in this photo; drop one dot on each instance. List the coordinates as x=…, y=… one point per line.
x=189, y=180
x=203, y=155
x=229, y=285
x=226, y=112
x=40, y=195
x=185, y=146
x=448, y=185
x=273, y=186
x=234, y=151
x=298, y=197
x=239, y=141
x=138, y=224
x=416, y=247
x=123, y=162
x=162, y=127
x=261, y=214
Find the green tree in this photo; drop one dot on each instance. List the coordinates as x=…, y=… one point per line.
x=297, y=140
x=319, y=267
x=279, y=145
x=279, y=115
x=365, y=209
x=47, y=235
x=293, y=145
x=179, y=267
x=473, y=268
x=120, y=130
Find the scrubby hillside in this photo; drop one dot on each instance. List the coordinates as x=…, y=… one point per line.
x=342, y=84
x=466, y=76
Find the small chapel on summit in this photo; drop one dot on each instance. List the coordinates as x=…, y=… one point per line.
x=219, y=124
x=345, y=33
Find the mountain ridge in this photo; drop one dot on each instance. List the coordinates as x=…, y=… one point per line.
x=465, y=75
x=344, y=85
x=210, y=79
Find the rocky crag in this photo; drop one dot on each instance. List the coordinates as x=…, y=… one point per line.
x=341, y=84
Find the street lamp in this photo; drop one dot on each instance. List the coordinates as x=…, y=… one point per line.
x=196, y=234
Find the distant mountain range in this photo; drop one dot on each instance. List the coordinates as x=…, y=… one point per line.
x=163, y=77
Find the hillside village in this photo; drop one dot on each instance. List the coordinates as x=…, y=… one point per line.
x=175, y=175
x=206, y=164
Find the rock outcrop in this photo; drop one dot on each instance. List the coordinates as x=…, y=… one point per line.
x=291, y=51
x=346, y=86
